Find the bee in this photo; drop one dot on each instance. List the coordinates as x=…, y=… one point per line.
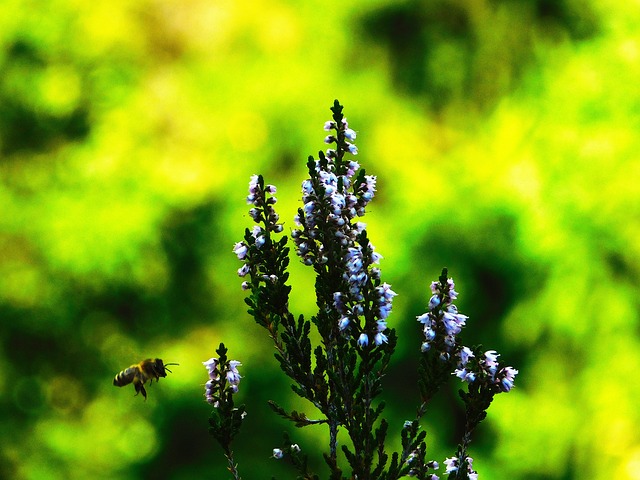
x=142, y=372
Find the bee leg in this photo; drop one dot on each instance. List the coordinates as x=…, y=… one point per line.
x=140, y=389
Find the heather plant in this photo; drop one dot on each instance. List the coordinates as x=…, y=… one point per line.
x=342, y=375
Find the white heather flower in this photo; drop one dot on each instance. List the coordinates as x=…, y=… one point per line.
x=451, y=464
x=277, y=453
x=350, y=134
x=233, y=378
x=363, y=340
x=385, y=290
x=240, y=249
x=380, y=338
x=434, y=301
x=465, y=375
x=491, y=362
x=211, y=365
x=507, y=376
x=253, y=184
x=465, y=355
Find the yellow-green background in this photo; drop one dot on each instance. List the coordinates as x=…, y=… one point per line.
x=505, y=136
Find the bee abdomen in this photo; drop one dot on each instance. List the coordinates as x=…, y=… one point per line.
x=125, y=377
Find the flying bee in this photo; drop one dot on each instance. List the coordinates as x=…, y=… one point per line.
x=142, y=372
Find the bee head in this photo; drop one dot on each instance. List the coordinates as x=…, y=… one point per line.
x=157, y=367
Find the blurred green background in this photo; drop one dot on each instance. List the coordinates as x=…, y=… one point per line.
x=505, y=137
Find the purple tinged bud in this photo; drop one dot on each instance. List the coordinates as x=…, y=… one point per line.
x=308, y=207
x=344, y=323
x=384, y=311
x=307, y=187
x=242, y=271
x=429, y=333
x=434, y=301
x=352, y=148
x=329, y=139
x=254, y=213
x=277, y=453
x=330, y=124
